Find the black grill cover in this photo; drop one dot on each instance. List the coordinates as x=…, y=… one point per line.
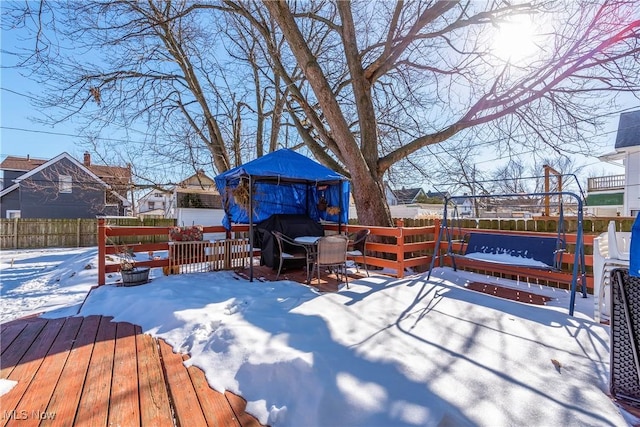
x=291, y=225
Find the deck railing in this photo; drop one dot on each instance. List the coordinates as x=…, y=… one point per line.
x=600, y=183
x=392, y=250
x=204, y=256
x=181, y=257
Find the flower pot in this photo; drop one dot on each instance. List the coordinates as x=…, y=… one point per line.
x=137, y=276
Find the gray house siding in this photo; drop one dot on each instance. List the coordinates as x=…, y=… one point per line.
x=11, y=202
x=8, y=177
x=40, y=195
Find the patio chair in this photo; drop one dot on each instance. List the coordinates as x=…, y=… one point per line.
x=359, y=248
x=331, y=252
x=289, y=250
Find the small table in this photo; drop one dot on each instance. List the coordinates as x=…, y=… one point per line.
x=307, y=240
x=310, y=243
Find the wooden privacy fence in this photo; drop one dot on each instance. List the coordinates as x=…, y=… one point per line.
x=542, y=224
x=28, y=233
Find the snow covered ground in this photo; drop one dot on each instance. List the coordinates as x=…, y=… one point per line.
x=385, y=352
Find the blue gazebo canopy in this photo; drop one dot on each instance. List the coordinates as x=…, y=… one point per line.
x=283, y=182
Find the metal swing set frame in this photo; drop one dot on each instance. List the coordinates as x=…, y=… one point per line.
x=446, y=232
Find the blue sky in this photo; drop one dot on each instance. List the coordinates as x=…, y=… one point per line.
x=21, y=134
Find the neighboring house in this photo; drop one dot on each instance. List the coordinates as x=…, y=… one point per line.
x=198, y=202
x=197, y=191
x=62, y=188
x=465, y=207
x=619, y=194
x=392, y=200
x=407, y=196
x=434, y=196
x=157, y=203
x=193, y=201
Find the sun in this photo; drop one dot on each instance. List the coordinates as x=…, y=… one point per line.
x=514, y=39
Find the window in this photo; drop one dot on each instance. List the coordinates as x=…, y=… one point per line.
x=157, y=195
x=13, y=213
x=65, y=183
x=152, y=205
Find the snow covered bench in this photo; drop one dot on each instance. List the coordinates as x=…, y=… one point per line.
x=516, y=250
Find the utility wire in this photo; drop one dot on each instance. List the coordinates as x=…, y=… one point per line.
x=436, y=153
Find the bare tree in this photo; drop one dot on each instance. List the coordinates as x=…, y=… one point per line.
x=151, y=68
x=365, y=84
x=438, y=56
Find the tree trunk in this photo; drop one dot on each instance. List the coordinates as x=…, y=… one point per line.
x=370, y=199
x=366, y=186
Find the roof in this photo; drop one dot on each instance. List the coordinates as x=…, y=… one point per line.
x=198, y=183
x=407, y=195
x=628, y=130
x=112, y=175
x=24, y=164
x=56, y=159
x=36, y=165
x=198, y=179
x=439, y=194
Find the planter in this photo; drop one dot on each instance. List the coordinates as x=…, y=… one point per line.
x=137, y=276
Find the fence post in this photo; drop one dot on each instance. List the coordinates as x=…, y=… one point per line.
x=435, y=253
x=78, y=233
x=400, y=243
x=102, y=249
x=15, y=233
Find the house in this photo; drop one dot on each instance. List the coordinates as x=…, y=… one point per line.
x=197, y=191
x=390, y=195
x=465, y=207
x=62, y=187
x=157, y=202
x=197, y=201
x=407, y=196
x=619, y=194
x=193, y=201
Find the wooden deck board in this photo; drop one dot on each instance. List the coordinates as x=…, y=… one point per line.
x=19, y=347
x=27, y=368
x=154, y=400
x=124, y=409
x=10, y=333
x=239, y=406
x=65, y=399
x=93, y=409
x=214, y=405
x=181, y=391
x=37, y=395
x=94, y=372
